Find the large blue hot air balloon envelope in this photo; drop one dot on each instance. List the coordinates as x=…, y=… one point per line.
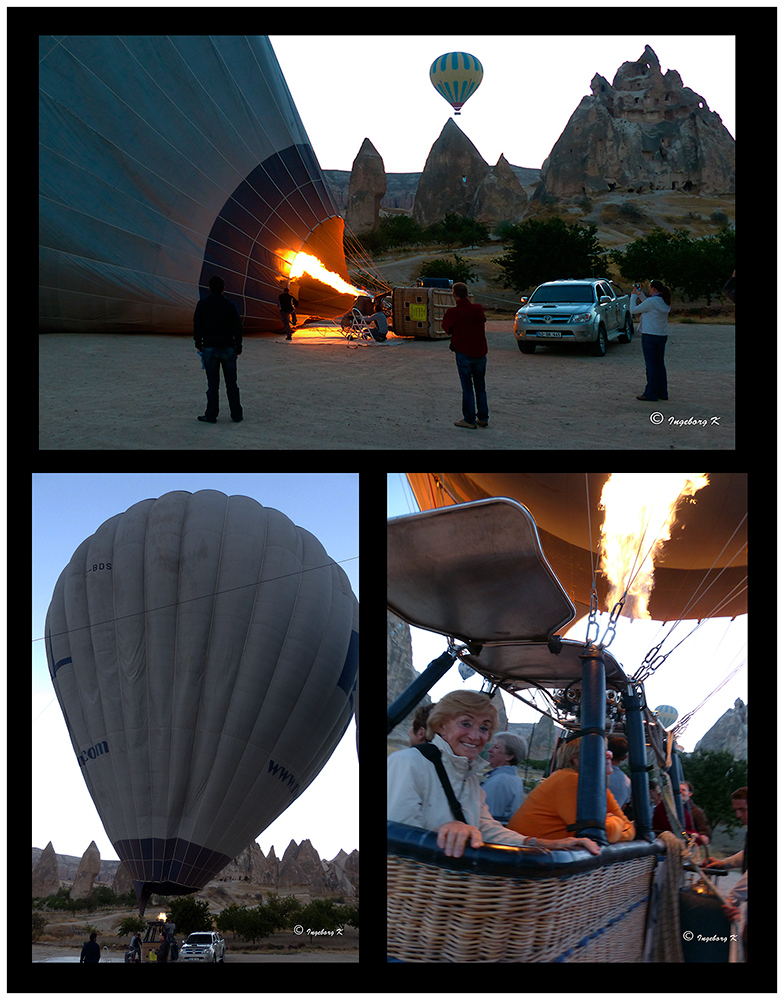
x=456, y=76
x=204, y=651
x=165, y=160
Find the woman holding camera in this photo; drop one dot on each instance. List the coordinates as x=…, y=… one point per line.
x=654, y=311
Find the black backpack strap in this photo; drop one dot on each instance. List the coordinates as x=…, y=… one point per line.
x=433, y=754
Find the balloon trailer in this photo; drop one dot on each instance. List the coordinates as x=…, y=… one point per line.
x=417, y=312
x=499, y=903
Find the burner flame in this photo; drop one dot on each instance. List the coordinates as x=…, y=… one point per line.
x=305, y=263
x=640, y=510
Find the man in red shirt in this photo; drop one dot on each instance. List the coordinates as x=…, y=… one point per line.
x=465, y=324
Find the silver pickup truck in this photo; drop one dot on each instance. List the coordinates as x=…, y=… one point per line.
x=203, y=946
x=574, y=311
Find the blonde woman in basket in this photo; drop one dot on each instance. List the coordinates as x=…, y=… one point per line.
x=458, y=728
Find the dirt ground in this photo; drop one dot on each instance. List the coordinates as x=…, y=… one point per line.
x=129, y=392
x=43, y=954
x=65, y=933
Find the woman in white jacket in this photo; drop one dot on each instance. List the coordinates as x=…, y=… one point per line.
x=459, y=726
x=653, y=328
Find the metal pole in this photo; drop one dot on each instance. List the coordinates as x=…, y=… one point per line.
x=638, y=763
x=592, y=780
x=676, y=777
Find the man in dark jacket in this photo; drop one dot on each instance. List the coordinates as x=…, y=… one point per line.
x=465, y=324
x=91, y=951
x=217, y=333
x=288, y=311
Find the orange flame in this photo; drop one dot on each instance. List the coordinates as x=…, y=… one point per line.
x=305, y=263
x=639, y=515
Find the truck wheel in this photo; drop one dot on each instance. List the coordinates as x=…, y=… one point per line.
x=599, y=347
x=525, y=347
x=628, y=331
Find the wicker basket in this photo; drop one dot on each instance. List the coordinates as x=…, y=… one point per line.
x=439, y=914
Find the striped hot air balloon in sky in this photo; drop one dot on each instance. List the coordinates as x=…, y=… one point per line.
x=456, y=76
x=667, y=716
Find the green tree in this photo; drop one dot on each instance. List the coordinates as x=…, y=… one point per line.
x=457, y=230
x=656, y=255
x=544, y=251
x=715, y=775
x=699, y=267
x=190, y=915
x=131, y=925
x=393, y=231
x=252, y=923
x=458, y=269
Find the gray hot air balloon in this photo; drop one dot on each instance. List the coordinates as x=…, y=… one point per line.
x=164, y=160
x=204, y=651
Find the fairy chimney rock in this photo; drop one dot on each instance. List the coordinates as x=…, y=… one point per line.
x=336, y=877
x=351, y=868
x=89, y=867
x=453, y=172
x=46, y=877
x=500, y=196
x=250, y=865
x=123, y=879
x=729, y=733
x=366, y=187
x=311, y=866
x=645, y=131
x=400, y=673
x=297, y=867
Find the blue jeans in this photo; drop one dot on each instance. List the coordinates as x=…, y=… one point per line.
x=472, y=379
x=656, y=373
x=214, y=359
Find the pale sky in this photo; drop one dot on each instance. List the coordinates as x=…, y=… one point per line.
x=67, y=508
x=687, y=676
x=349, y=87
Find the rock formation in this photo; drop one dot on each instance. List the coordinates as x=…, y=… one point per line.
x=251, y=866
x=500, y=196
x=343, y=873
x=300, y=868
x=351, y=870
x=729, y=733
x=366, y=188
x=453, y=172
x=46, y=877
x=457, y=179
x=89, y=867
x=400, y=673
x=539, y=738
x=401, y=188
x=643, y=132
x=123, y=879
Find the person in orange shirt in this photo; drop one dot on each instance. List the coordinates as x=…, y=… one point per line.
x=552, y=806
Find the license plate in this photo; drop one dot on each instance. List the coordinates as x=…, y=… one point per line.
x=549, y=333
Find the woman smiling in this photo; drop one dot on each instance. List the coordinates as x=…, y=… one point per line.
x=458, y=728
